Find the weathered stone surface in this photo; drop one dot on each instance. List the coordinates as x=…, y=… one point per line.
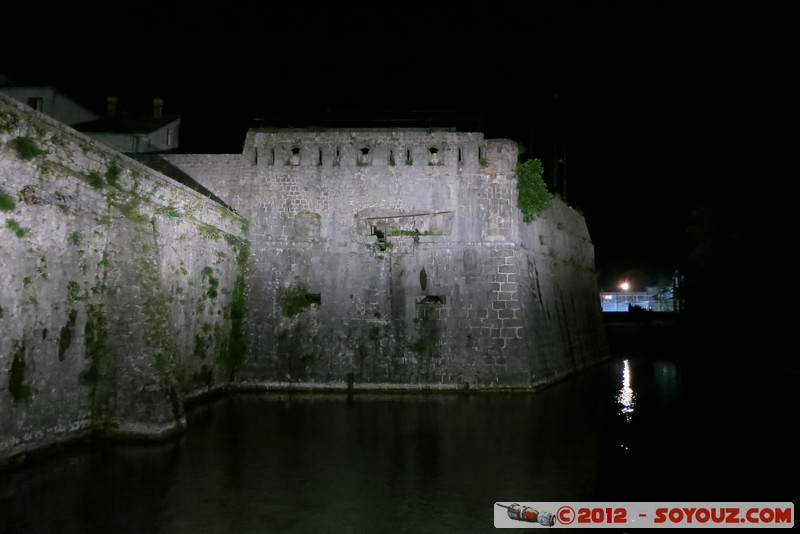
x=117, y=287
x=504, y=304
x=362, y=259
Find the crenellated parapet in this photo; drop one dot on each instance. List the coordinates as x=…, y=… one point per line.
x=403, y=149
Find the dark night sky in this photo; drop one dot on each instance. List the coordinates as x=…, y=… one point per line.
x=662, y=106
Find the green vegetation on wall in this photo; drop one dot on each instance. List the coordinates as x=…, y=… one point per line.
x=383, y=245
x=130, y=208
x=29, y=195
x=26, y=148
x=213, y=283
x=7, y=202
x=209, y=232
x=15, y=227
x=296, y=299
x=7, y=121
x=74, y=291
x=170, y=211
x=533, y=195
x=241, y=247
x=112, y=175
x=95, y=180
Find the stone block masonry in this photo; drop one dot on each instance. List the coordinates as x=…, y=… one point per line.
x=408, y=261
x=121, y=291
x=335, y=260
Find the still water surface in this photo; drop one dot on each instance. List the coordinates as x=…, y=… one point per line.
x=637, y=428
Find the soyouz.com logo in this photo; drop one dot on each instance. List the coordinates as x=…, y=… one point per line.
x=644, y=514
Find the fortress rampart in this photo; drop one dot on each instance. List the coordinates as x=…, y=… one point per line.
x=351, y=259
x=121, y=291
x=409, y=262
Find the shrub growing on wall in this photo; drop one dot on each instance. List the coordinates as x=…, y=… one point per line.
x=7, y=202
x=296, y=299
x=533, y=195
x=26, y=148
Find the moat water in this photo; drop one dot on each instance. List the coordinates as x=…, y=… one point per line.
x=644, y=426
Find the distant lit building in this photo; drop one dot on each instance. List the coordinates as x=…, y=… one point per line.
x=129, y=133
x=135, y=133
x=52, y=102
x=657, y=299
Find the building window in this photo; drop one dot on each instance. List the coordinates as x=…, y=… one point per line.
x=319, y=157
x=36, y=102
x=337, y=157
x=409, y=158
x=391, y=158
x=295, y=156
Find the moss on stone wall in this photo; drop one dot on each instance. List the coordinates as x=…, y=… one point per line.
x=96, y=321
x=200, y=346
x=213, y=283
x=8, y=121
x=241, y=247
x=94, y=179
x=74, y=292
x=112, y=174
x=19, y=230
x=209, y=232
x=296, y=299
x=26, y=148
x=168, y=211
x=129, y=208
x=30, y=195
x=7, y=202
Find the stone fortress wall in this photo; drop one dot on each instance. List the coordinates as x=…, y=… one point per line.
x=120, y=290
x=408, y=262
x=351, y=259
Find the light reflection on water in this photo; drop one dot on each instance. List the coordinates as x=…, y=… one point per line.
x=422, y=463
x=626, y=395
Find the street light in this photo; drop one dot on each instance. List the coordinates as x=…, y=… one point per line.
x=624, y=286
